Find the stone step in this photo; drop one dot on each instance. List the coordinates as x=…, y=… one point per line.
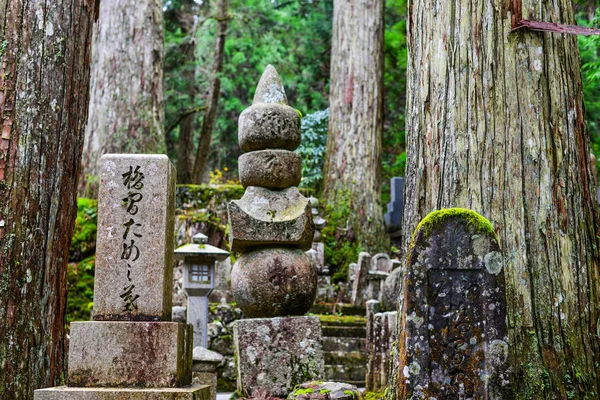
x=340, y=308
x=344, y=331
x=346, y=344
x=345, y=373
x=343, y=358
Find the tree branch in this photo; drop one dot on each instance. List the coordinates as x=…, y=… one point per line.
x=181, y=116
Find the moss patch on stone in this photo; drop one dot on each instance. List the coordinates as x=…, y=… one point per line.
x=475, y=220
x=347, y=320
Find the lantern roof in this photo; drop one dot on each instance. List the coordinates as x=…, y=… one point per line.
x=200, y=249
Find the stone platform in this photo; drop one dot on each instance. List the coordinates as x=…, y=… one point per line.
x=136, y=354
x=277, y=353
x=196, y=392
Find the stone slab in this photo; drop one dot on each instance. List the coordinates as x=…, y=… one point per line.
x=134, y=246
x=272, y=169
x=454, y=341
x=196, y=392
x=264, y=217
x=130, y=354
x=359, y=287
x=277, y=353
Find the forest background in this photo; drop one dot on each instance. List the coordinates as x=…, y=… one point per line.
x=295, y=36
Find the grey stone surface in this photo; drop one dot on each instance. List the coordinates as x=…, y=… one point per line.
x=359, y=288
x=454, y=341
x=204, y=369
x=325, y=391
x=381, y=262
x=272, y=169
x=270, y=217
x=277, y=353
x=317, y=257
x=274, y=282
x=130, y=354
x=395, y=208
x=196, y=392
x=197, y=316
x=392, y=289
x=134, y=246
x=270, y=89
x=269, y=126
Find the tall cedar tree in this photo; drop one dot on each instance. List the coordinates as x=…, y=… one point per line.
x=210, y=116
x=495, y=123
x=126, y=113
x=352, y=173
x=44, y=80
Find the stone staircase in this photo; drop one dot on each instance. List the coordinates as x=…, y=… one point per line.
x=344, y=332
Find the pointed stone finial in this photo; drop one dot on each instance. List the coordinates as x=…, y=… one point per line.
x=270, y=89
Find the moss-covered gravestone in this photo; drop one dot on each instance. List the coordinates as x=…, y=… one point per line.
x=453, y=339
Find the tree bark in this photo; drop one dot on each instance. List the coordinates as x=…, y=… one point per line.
x=44, y=78
x=126, y=112
x=352, y=172
x=210, y=116
x=495, y=123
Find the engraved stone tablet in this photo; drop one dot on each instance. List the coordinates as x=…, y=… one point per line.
x=134, y=248
x=453, y=342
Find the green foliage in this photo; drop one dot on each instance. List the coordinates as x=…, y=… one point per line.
x=294, y=36
x=341, y=247
x=80, y=290
x=312, y=149
x=589, y=48
x=84, y=233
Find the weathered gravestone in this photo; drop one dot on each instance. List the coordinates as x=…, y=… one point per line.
x=453, y=339
x=359, y=287
x=395, y=208
x=131, y=350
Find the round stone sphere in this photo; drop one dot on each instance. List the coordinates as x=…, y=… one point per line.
x=274, y=282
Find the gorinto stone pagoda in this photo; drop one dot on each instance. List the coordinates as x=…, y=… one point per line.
x=273, y=281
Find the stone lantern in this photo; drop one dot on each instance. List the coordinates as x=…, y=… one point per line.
x=198, y=281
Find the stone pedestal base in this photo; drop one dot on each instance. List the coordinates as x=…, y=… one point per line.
x=277, y=354
x=130, y=354
x=197, y=392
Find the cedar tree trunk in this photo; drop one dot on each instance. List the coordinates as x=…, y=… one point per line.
x=44, y=80
x=352, y=172
x=126, y=113
x=210, y=116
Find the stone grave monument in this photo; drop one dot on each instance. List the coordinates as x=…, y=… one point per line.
x=131, y=350
x=453, y=340
x=395, y=208
x=273, y=280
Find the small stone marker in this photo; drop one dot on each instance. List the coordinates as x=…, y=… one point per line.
x=359, y=288
x=134, y=247
x=453, y=340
